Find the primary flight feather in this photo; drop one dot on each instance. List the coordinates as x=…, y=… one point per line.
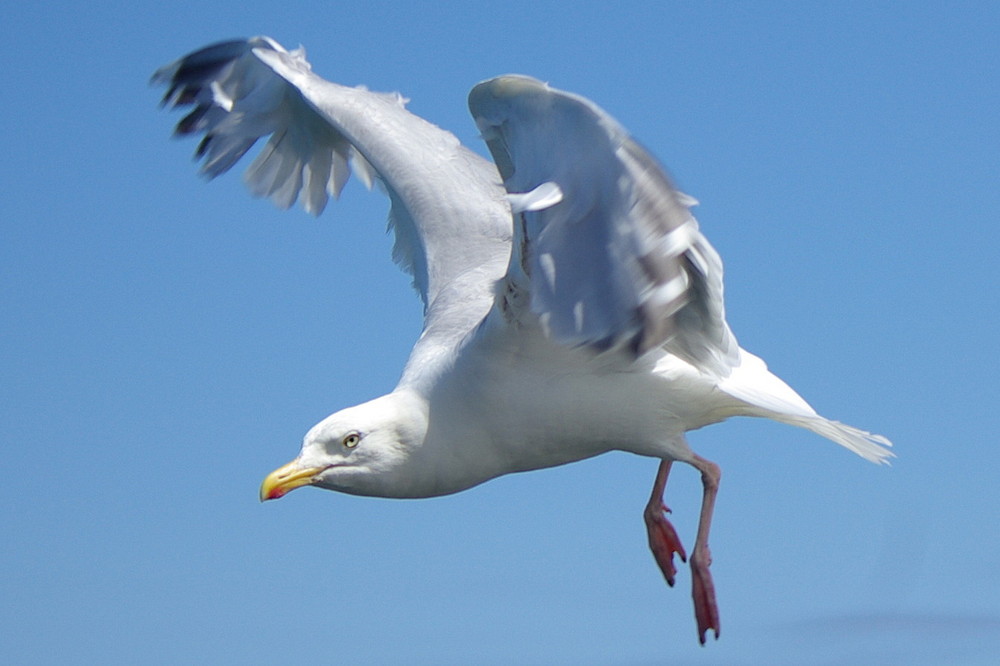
x=572, y=305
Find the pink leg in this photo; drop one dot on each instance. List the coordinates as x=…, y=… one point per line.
x=663, y=539
x=706, y=610
x=664, y=542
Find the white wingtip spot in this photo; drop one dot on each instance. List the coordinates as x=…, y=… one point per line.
x=544, y=196
x=548, y=265
x=668, y=292
x=544, y=319
x=220, y=98
x=678, y=240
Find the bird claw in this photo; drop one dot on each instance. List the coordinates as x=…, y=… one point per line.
x=706, y=609
x=663, y=541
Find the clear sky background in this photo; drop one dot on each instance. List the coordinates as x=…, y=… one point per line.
x=165, y=343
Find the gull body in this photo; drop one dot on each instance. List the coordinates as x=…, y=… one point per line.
x=572, y=305
x=505, y=402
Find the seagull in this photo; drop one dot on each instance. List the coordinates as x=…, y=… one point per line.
x=572, y=306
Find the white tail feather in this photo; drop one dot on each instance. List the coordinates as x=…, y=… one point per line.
x=865, y=444
x=770, y=397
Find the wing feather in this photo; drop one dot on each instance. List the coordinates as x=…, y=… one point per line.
x=448, y=211
x=616, y=261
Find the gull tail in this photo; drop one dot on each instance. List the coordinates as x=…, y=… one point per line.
x=865, y=444
x=767, y=395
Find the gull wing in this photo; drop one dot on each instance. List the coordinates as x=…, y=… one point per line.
x=448, y=210
x=605, y=246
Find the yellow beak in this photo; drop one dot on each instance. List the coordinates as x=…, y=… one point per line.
x=286, y=478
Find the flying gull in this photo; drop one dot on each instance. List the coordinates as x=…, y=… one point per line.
x=571, y=304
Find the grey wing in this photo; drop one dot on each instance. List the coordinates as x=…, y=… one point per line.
x=447, y=207
x=604, y=243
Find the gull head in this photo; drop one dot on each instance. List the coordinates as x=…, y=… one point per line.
x=358, y=450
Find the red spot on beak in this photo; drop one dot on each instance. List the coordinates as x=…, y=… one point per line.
x=277, y=493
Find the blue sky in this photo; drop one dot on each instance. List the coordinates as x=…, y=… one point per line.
x=165, y=343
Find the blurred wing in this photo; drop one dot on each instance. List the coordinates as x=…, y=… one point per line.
x=448, y=211
x=604, y=244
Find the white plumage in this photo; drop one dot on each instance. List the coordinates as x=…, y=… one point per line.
x=572, y=306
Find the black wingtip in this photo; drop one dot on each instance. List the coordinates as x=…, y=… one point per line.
x=191, y=123
x=185, y=77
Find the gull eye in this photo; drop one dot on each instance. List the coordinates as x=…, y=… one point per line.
x=351, y=439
